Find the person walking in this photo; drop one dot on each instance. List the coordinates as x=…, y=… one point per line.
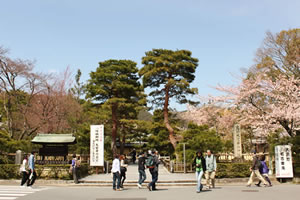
x=256, y=165
x=123, y=170
x=264, y=171
x=153, y=164
x=141, y=169
x=116, y=170
x=74, y=166
x=24, y=172
x=199, y=163
x=211, y=168
x=31, y=171
x=133, y=156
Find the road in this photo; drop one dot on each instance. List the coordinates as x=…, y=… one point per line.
x=278, y=192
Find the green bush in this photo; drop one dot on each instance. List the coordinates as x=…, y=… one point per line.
x=9, y=171
x=233, y=170
x=296, y=169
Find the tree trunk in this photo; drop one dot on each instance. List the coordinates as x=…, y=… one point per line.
x=285, y=125
x=114, y=128
x=122, y=145
x=7, y=108
x=166, y=119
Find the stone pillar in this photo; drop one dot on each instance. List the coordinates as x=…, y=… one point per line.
x=18, y=160
x=237, y=141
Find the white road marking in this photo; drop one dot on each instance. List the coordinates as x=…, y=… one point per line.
x=8, y=198
x=16, y=191
x=13, y=192
x=9, y=194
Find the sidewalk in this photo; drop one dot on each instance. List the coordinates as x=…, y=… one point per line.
x=165, y=178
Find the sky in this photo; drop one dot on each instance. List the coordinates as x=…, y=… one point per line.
x=223, y=34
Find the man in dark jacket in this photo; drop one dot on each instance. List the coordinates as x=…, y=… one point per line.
x=141, y=168
x=154, y=171
x=255, y=170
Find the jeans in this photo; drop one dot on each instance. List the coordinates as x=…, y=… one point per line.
x=24, y=178
x=154, y=174
x=31, y=181
x=199, y=178
x=75, y=174
x=142, y=176
x=116, y=178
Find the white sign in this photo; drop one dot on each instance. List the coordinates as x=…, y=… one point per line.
x=283, y=161
x=97, y=145
x=237, y=141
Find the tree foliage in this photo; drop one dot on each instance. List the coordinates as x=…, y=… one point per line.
x=169, y=74
x=115, y=84
x=199, y=138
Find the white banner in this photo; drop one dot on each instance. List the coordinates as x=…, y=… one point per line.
x=97, y=145
x=283, y=161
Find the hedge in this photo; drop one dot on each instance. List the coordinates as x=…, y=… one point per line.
x=233, y=170
x=11, y=171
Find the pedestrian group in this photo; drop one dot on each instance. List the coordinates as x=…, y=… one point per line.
x=206, y=166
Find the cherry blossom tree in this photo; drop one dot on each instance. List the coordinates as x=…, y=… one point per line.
x=266, y=103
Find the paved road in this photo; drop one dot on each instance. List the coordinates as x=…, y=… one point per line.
x=278, y=192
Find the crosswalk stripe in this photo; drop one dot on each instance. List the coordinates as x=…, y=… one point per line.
x=16, y=191
x=8, y=198
x=9, y=194
x=20, y=189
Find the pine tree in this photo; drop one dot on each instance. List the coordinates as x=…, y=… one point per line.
x=169, y=74
x=115, y=84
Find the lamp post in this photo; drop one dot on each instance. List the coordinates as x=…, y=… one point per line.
x=184, y=162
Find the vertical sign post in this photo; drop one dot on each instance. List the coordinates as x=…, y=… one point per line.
x=184, y=162
x=97, y=145
x=237, y=141
x=283, y=161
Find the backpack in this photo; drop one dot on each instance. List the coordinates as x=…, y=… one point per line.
x=77, y=163
x=150, y=162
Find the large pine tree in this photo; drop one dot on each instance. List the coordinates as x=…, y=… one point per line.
x=115, y=84
x=169, y=74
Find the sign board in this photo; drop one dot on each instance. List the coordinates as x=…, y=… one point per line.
x=237, y=141
x=283, y=161
x=97, y=145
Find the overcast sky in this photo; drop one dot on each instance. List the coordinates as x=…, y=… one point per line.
x=222, y=34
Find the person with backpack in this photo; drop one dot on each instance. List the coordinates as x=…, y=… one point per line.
x=75, y=167
x=211, y=167
x=123, y=170
x=199, y=163
x=256, y=165
x=264, y=171
x=23, y=171
x=141, y=169
x=153, y=163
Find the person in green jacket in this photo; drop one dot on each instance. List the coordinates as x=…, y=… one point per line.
x=199, y=163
